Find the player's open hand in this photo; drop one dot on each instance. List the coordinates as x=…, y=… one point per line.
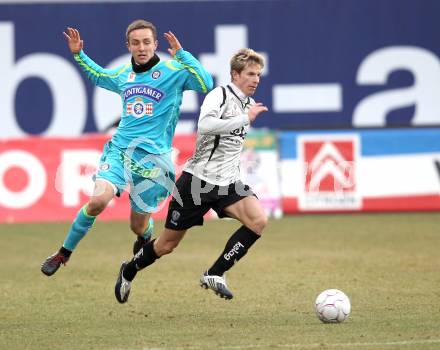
x=173, y=42
x=255, y=110
x=73, y=40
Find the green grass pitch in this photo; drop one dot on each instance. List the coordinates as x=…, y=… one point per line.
x=388, y=264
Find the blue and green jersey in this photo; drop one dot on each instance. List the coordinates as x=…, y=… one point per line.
x=150, y=100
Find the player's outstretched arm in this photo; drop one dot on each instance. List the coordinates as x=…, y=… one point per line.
x=73, y=40
x=105, y=78
x=200, y=80
x=173, y=42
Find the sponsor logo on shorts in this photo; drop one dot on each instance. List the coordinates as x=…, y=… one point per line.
x=175, y=215
x=150, y=173
x=104, y=166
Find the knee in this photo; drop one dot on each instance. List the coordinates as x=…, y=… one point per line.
x=96, y=206
x=165, y=248
x=138, y=227
x=259, y=223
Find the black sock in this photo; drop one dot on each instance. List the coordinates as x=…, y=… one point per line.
x=145, y=257
x=236, y=247
x=65, y=252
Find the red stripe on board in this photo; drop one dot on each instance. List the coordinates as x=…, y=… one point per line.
x=49, y=201
x=402, y=203
x=289, y=205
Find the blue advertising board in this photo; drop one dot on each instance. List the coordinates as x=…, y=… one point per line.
x=330, y=64
x=392, y=169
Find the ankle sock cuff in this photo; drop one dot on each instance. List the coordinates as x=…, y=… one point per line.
x=65, y=252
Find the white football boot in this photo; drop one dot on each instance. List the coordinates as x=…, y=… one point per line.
x=217, y=284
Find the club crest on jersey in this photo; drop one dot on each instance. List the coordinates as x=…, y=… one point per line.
x=138, y=108
x=131, y=77
x=144, y=91
x=156, y=74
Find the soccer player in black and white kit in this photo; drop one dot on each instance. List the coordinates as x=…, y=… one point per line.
x=211, y=179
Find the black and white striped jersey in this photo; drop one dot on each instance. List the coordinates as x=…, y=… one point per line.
x=222, y=128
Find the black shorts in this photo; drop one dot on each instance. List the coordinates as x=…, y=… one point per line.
x=193, y=198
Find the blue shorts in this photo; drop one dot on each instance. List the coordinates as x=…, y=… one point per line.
x=148, y=177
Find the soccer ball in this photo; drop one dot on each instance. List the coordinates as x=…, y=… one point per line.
x=332, y=306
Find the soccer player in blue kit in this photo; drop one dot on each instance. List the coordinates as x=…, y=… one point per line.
x=139, y=154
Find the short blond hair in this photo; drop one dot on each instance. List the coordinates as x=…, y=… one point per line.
x=141, y=24
x=244, y=57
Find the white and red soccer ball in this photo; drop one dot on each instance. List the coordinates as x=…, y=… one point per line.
x=332, y=306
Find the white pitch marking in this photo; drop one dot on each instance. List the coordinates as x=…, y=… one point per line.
x=308, y=346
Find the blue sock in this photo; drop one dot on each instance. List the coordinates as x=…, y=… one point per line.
x=149, y=231
x=80, y=226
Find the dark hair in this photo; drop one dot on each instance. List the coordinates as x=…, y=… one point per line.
x=141, y=24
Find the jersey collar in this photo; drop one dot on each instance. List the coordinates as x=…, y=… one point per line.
x=237, y=92
x=141, y=68
x=245, y=100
